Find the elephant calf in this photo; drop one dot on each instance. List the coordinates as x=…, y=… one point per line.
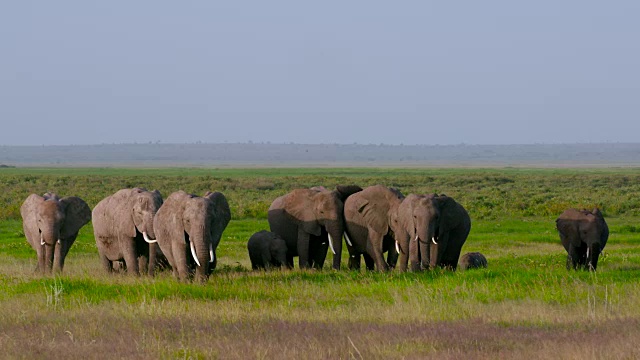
x=266, y=250
x=473, y=260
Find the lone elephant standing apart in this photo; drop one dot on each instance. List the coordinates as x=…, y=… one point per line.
x=266, y=250
x=369, y=216
x=189, y=229
x=311, y=221
x=441, y=228
x=123, y=228
x=583, y=234
x=51, y=225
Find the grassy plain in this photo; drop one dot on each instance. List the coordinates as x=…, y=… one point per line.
x=526, y=304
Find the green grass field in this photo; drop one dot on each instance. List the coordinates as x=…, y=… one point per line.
x=524, y=305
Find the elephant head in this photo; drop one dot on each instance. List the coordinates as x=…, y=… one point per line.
x=51, y=225
x=144, y=205
x=315, y=212
x=187, y=220
x=433, y=228
x=583, y=234
x=370, y=214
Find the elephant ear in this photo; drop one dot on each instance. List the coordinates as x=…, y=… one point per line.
x=344, y=191
x=566, y=227
x=77, y=214
x=300, y=204
x=449, y=210
x=221, y=215
x=605, y=229
x=28, y=213
x=375, y=213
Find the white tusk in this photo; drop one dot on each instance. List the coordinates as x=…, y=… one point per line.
x=146, y=238
x=58, y=241
x=193, y=253
x=587, y=254
x=331, y=244
x=416, y=239
x=41, y=239
x=397, y=247
x=346, y=238
x=433, y=239
x=211, y=256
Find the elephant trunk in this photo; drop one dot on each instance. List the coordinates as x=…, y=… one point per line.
x=147, y=229
x=593, y=252
x=335, y=231
x=201, y=255
x=48, y=240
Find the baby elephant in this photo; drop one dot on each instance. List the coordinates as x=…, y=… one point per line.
x=473, y=260
x=266, y=250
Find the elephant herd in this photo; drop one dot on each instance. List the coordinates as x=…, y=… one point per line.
x=137, y=229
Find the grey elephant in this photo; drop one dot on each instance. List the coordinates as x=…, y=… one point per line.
x=311, y=221
x=472, y=260
x=51, y=225
x=123, y=229
x=370, y=228
x=583, y=234
x=189, y=228
x=440, y=228
x=267, y=250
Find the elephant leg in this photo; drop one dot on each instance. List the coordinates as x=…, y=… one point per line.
x=354, y=262
x=179, y=250
x=318, y=248
x=106, y=263
x=289, y=261
x=129, y=251
x=143, y=264
x=572, y=257
x=374, y=249
x=369, y=263
x=303, y=249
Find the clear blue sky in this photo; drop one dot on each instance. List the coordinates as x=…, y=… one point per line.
x=412, y=72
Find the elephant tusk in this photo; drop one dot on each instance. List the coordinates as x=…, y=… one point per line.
x=193, y=253
x=146, y=238
x=433, y=239
x=331, y=244
x=587, y=254
x=346, y=238
x=416, y=239
x=59, y=241
x=41, y=239
x=397, y=247
x=211, y=256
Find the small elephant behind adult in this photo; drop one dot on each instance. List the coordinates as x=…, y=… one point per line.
x=583, y=234
x=51, y=225
x=267, y=250
x=472, y=260
x=189, y=229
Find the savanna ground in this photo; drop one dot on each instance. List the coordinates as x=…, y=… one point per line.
x=525, y=305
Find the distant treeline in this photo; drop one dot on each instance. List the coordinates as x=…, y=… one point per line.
x=266, y=154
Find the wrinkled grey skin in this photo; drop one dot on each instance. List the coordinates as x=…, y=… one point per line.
x=119, y=222
x=583, y=234
x=267, y=250
x=472, y=260
x=184, y=219
x=440, y=228
x=370, y=228
x=305, y=218
x=55, y=222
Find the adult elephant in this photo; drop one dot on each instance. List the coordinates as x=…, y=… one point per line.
x=311, y=221
x=439, y=228
x=370, y=227
x=189, y=228
x=123, y=228
x=583, y=234
x=51, y=225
